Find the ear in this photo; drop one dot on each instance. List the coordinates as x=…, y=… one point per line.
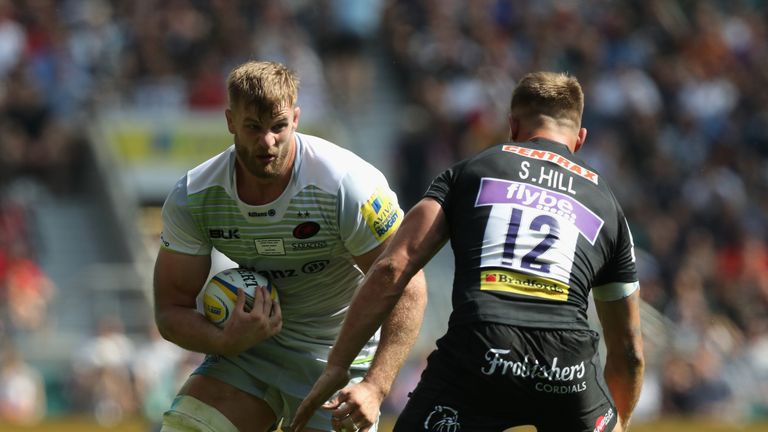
x=514, y=128
x=296, y=115
x=580, y=138
x=230, y=120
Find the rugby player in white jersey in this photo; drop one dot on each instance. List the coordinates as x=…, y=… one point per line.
x=307, y=214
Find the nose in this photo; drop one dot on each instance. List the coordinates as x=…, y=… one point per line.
x=267, y=140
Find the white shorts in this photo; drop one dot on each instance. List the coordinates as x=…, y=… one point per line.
x=278, y=375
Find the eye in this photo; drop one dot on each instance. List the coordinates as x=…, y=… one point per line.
x=278, y=127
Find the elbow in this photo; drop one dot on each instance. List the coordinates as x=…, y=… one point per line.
x=390, y=272
x=163, y=324
x=626, y=359
x=634, y=359
x=398, y=277
x=639, y=360
x=635, y=362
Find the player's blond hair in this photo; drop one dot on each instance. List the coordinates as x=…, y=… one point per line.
x=555, y=95
x=265, y=86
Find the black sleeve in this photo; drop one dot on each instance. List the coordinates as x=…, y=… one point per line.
x=621, y=267
x=440, y=189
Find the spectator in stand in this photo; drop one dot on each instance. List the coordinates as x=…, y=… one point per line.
x=28, y=290
x=154, y=368
x=102, y=375
x=12, y=38
x=22, y=392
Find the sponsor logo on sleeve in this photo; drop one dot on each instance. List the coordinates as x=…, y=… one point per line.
x=165, y=242
x=554, y=158
x=382, y=215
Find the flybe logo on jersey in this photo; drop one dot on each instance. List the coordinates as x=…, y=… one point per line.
x=554, y=158
x=497, y=191
x=517, y=283
x=381, y=215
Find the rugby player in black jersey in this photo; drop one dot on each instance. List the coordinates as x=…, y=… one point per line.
x=533, y=230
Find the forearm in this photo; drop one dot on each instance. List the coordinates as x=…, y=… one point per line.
x=624, y=375
x=189, y=329
x=624, y=364
x=398, y=334
x=394, y=281
x=376, y=298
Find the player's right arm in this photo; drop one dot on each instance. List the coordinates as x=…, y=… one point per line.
x=181, y=269
x=177, y=281
x=423, y=232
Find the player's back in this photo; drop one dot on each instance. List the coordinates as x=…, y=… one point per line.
x=533, y=228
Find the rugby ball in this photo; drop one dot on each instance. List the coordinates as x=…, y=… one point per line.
x=220, y=293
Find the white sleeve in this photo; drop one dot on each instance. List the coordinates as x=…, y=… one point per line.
x=614, y=291
x=368, y=210
x=180, y=232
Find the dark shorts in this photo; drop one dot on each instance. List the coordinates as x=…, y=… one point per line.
x=490, y=377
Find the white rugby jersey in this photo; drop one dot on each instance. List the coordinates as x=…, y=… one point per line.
x=336, y=206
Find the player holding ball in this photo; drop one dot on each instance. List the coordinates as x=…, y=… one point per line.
x=310, y=216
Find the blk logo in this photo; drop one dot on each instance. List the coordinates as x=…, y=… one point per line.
x=220, y=233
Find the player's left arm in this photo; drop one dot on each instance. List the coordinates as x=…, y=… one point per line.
x=625, y=363
x=617, y=301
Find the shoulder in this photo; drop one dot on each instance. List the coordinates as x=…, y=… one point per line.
x=327, y=165
x=177, y=197
x=470, y=167
x=216, y=171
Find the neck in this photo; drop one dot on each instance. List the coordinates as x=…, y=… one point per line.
x=254, y=190
x=568, y=140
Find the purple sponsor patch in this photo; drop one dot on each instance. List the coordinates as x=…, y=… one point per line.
x=495, y=191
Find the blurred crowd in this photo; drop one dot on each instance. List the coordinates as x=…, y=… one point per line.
x=115, y=377
x=676, y=108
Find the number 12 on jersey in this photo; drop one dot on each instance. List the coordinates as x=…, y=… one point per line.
x=529, y=241
x=531, y=231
